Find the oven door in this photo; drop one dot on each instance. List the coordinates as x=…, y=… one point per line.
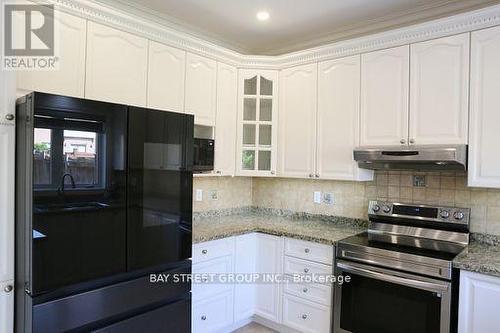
x=387, y=301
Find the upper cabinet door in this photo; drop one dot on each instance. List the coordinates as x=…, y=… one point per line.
x=166, y=72
x=69, y=78
x=384, y=97
x=116, y=66
x=201, y=80
x=439, y=89
x=484, y=135
x=297, y=121
x=338, y=106
x=225, y=125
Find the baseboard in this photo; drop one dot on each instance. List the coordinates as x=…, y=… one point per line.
x=274, y=326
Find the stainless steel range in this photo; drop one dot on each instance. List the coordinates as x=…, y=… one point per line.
x=401, y=274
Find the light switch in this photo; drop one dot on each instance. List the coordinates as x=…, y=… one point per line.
x=317, y=197
x=199, y=195
x=328, y=198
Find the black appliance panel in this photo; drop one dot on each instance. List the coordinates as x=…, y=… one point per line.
x=204, y=150
x=159, y=209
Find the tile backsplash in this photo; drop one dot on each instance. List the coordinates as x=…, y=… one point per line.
x=350, y=199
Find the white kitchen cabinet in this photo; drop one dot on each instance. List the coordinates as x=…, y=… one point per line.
x=7, y=306
x=226, y=120
x=205, y=289
x=297, y=121
x=338, y=120
x=257, y=123
x=117, y=65
x=270, y=259
x=201, y=89
x=213, y=314
x=479, y=302
x=484, y=133
x=309, y=251
x=384, y=97
x=69, y=78
x=245, y=261
x=166, y=73
x=305, y=316
x=439, y=90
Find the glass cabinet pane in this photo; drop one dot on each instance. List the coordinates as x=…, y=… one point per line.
x=249, y=134
x=265, y=134
x=250, y=86
x=249, y=109
x=264, y=160
x=248, y=160
x=266, y=110
x=266, y=86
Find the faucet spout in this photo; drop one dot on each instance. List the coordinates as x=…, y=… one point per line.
x=63, y=178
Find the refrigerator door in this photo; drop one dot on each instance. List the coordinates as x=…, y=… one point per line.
x=159, y=209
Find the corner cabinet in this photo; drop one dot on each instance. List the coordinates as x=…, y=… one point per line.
x=484, y=134
x=384, y=97
x=439, y=91
x=117, y=65
x=166, y=73
x=297, y=121
x=201, y=89
x=69, y=78
x=257, y=123
x=226, y=120
x=479, y=301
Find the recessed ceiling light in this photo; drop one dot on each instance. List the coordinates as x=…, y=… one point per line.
x=262, y=15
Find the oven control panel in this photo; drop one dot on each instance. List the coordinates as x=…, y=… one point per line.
x=419, y=212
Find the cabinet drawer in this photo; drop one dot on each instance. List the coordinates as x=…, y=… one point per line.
x=309, y=251
x=213, y=314
x=294, y=266
x=316, y=292
x=305, y=316
x=222, y=265
x=212, y=249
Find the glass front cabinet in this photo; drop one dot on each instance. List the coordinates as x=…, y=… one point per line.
x=257, y=123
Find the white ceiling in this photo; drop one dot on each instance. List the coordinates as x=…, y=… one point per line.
x=294, y=24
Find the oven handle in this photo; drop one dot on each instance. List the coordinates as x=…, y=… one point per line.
x=434, y=287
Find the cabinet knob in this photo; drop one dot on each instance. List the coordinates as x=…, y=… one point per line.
x=311, y=175
x=316, y=175
x=8, y=288
x=402, y=141
x=218, y=172
x=203, y=317
x=304, y=290
x=307, y=250
x=412, y=141
x=304, y=316
x=9, y=116
x=272, y=172
x=306, y=270
x=204, y=251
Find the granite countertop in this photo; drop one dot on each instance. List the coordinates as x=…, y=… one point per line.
x=311, y=228
x=481, y=256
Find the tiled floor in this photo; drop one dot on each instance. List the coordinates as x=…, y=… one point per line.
x=254, y=328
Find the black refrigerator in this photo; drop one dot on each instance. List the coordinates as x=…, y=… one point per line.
x=103, y=200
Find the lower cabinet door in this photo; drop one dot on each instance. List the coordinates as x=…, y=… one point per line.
x=305, y=316
x=316, y=292
x=202, y=288
x=213, y=313
x=6, y=307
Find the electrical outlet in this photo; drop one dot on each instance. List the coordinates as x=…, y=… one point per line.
x=328, y=198
x=199, y=195
x=419, y=181
x=317, y=197
x=214, y=195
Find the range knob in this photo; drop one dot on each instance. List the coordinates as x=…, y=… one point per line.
x=445, y=214
x=458, y=215
x=376, y=208
x=386, y=209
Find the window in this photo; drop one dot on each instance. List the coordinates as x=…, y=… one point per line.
x=68, y=146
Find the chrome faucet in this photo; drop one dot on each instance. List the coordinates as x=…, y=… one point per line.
x=61, y=187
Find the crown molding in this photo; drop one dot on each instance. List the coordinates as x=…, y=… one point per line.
x=117, y=18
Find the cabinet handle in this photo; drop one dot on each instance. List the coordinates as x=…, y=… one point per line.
x=307, y=250
x=8, y=288
x=412, y=141
x=311, y=175
x=204, y=251
x=9, y=116
x=304, y=290
x=203, y=317
x=218, y=172
x=304, y=316
x=316, y=175
x=272, y=172
x=402, y=141
x=306, y=270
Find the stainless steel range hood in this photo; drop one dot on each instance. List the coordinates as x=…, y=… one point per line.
x=429, y=157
